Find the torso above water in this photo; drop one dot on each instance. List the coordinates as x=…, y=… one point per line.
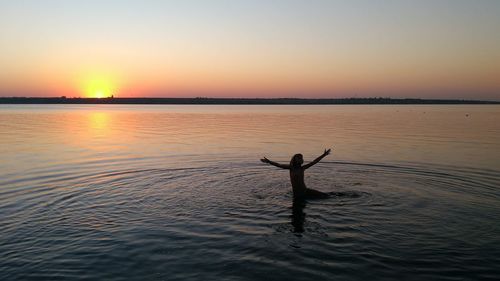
x=297, y=180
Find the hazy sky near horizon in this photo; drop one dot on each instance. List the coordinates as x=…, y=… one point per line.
x=231, y=48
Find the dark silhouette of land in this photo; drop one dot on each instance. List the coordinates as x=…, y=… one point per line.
x=222, y=101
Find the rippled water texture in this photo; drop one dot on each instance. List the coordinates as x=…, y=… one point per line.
x=178, y=193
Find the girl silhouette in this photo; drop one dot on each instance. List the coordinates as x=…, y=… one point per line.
x=300, y=191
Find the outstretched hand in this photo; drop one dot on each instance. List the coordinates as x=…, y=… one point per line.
x=327, y=152
x=265, y=160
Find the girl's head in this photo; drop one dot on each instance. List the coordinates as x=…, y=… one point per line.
x=296, y=160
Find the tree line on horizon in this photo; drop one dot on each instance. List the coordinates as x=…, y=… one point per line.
x=208, y=100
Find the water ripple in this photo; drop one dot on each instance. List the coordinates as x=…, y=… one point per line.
x=382, y=218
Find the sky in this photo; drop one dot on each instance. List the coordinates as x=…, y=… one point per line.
x=232, y=48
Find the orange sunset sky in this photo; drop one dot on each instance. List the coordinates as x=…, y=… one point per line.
x=421, y=49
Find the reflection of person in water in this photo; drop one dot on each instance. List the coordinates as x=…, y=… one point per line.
x=298, y=216
x=300, y=191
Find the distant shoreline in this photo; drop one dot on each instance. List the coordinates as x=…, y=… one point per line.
x=231, y=101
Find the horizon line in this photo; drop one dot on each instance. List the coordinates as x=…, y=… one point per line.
x=239, y=100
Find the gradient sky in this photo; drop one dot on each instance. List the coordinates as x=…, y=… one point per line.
x=424, y=49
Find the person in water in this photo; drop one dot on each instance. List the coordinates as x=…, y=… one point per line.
x=300, y=191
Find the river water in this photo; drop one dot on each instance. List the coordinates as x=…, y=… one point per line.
x=164, y=192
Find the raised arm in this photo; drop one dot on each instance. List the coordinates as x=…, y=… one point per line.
x=315, y=161
x=282, y=166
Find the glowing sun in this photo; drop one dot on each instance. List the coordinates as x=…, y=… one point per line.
x=99, y=88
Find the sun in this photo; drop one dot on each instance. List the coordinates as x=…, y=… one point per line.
x=99, y=88
x=99, y=94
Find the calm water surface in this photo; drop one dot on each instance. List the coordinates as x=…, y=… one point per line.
x=116, y=192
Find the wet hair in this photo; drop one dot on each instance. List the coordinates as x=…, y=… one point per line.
x=295, y=161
